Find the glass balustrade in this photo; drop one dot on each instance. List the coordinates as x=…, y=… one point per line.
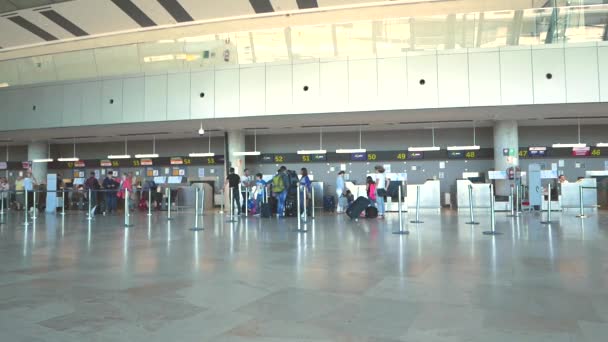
x=363, y=39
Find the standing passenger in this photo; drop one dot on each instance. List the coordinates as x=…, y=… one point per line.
x=232, y=181
x=371, y=190
x=306, y=184
x=381, y=185
x=340, y=189
x=246, y=184
x=260, y=192
x=28, y=185
x=279, y=191
x=92, y=184
x=126, y=184
x=19, y=193
x=4, y=187
x=110, y=185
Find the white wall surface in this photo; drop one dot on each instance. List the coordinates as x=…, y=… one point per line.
x=463, y=78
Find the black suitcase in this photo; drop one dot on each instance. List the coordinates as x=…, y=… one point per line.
x=358, y=206
x=291, y=209
x=265, y=210
x=329, y=203
x=371, y=212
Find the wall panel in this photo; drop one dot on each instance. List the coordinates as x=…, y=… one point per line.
x=279, y=89
x=178, y=96
x=334, y=86
x=422, y=81
x=134, y=90
x=362, y=84
x=227, y=93
x=156, y=98
x=111, y=101
x=453, y=75
x=516, y=82
x=484, y=76
x=603, y=69
x=91, y=102
x=306, y=87
x=549, y=75
x=392, y=83
x=202, y=95
x=252, y=90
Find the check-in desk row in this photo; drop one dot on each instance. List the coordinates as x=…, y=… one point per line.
x=569, y=196
x=430, y=196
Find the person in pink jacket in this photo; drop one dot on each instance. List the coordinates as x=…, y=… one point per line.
x=125, y=184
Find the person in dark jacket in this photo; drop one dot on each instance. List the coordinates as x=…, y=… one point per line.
x=111, y=186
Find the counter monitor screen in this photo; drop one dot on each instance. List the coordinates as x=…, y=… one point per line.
x=160, y=180
x=175, y=180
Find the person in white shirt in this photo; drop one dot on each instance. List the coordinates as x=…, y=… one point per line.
x=381, y=185
x=247, y=183
x=340, y=189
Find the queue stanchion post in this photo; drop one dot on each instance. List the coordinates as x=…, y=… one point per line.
x=471, y=212
x=231, y=197
x=247, y=194
x=90, y=214
x=222, y=202
x=168, y=191
x=581, y=204
x=518, y=193
x=202, y=202
x=305, y=204
x=196, y=209
x=150, y=202
x=402, y=230
x=2, y=207
x=298, y=201
x=27, y=209
x=34, y=217
x=312, y=200
x=512, y=202
x=492, y=230
x=63, y=202
x=417, y=220
x=548, y=221
x=127, y=209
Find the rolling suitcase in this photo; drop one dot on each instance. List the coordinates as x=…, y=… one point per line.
x=358, y=206
x=371, y=212
x=329, y=203
x=291, y=209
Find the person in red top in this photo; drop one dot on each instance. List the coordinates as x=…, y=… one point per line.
x=125, y=184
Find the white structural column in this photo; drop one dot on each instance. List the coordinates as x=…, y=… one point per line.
x=236, y=143
x=505, y=137
x=38, y=150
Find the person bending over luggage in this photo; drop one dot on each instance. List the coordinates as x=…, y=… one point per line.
x=232, y=181
x=349, y=197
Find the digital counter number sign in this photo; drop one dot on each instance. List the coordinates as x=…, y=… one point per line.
x=359, y=157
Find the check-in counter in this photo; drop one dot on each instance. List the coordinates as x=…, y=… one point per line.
x=430, y=195
x=570, y=194
x=481, y=195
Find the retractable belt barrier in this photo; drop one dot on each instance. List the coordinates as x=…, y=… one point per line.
x=471, y=214
x=402, y=230
x=417, y=220
x=492, y=230
x=582, y=203
x=548, y=221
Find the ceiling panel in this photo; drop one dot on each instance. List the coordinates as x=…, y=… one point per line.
x=208, y=9
x=45, y=24
x=96, y=17
x=155, y=11
x=13, y=35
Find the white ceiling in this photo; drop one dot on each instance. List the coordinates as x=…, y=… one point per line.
x=533, y=115
x=99, y=18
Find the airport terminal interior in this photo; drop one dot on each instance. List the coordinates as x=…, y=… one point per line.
x=304, y=170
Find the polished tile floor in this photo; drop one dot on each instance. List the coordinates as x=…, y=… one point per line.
x=67, y=279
